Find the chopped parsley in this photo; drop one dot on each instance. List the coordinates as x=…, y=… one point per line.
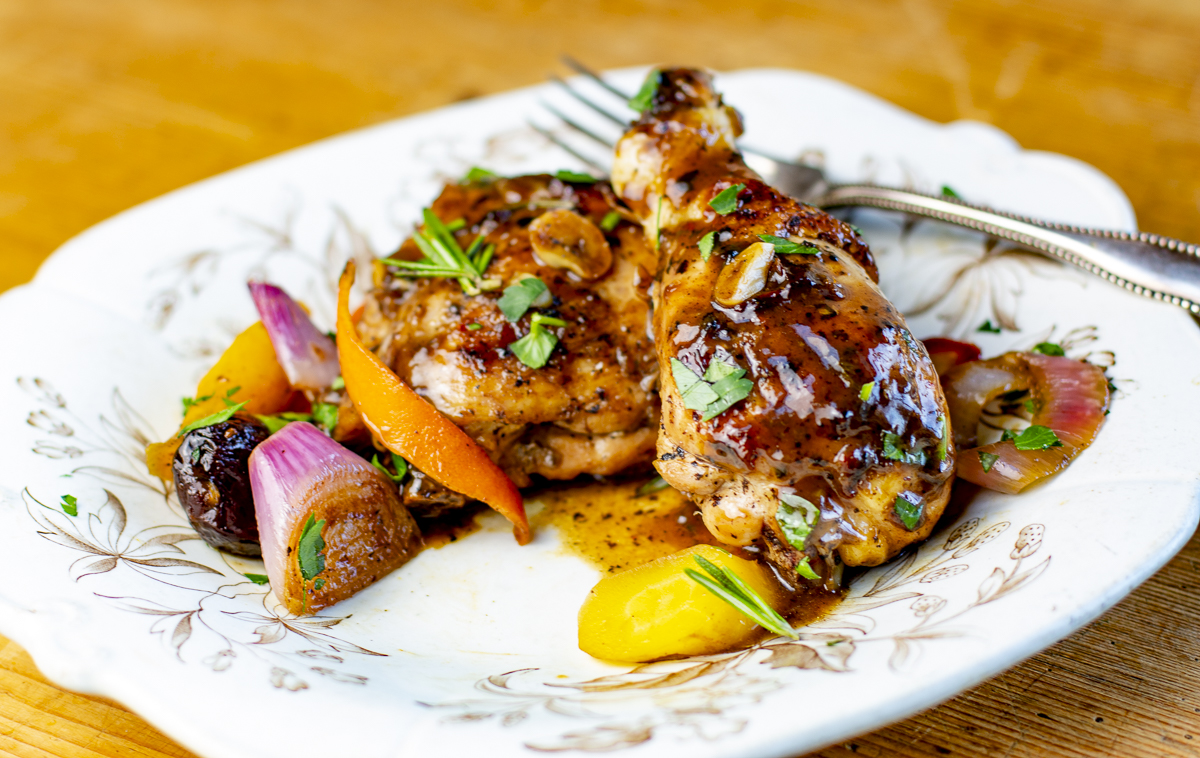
x=477, y=174
x=578, y=177
x=654, y=485
x=1036, y=438
x=796, y=517
x=398, y=463
x=215, y=418
x=325, y=415
x=610, y=221
x=947, y=192
x=443, y=257
x=257, y=578
x=864, y=392
x=943, y=446
x=474, y=327
x=338, y=384
x=706, y=246
x=728, y=586
x=989, y=327
x=308, y=550
x=894, y=449
x=280, y=420
x=519, y=297
x=1049, y=348
x=722, y=385
x=189, y=402
x=70, y=505
x=534, y=348
x=805, y=570
x=644, y=98
x=908, y=512
x=785, y=246
x=987, y=460
x=726, y=200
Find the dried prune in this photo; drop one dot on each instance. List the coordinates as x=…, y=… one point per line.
x=212, y=477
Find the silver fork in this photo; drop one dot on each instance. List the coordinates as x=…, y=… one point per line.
x=1147, y=264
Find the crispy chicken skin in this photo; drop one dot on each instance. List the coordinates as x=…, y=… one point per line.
x=592, y=408
x=814, y=330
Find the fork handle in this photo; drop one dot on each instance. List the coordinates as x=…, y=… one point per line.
x=1147, y=264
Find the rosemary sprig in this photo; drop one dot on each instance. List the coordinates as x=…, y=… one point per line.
x=729, y=587
x=444, y=257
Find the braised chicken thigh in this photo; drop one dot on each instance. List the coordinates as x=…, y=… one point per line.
x=592, y=407
x=796, y=405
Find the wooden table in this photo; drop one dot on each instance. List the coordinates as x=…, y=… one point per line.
x=104, y=105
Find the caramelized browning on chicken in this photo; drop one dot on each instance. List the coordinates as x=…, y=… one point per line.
x=843, y=408
x=592, y=407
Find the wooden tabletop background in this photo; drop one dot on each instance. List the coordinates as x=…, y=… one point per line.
x=106, y=104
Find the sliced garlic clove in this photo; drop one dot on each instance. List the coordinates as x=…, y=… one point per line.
x=564, y=239
x=745, y=276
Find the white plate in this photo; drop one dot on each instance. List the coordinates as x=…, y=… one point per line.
x=119, y=600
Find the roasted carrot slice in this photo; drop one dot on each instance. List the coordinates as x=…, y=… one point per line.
x=412, y=428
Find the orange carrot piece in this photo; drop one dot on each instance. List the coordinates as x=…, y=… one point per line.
x=412, y=428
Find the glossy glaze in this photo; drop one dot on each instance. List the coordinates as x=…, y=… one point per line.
x=810, y=338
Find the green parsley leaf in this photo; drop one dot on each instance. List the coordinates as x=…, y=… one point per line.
x=1037, y=438
x=474, y=327
x=578, y=177
x=1049, y=348
x=908, y=512
x=989, y=327
x=534, y=348
x=317, y=585
x=987, y=460
x=1030, y=405
x=215, y=418
x=610, y=221
x=718, y=369
x=943, y=446
x=696, y=394
x=730, y=390
x=308, y=549
x=785, y=246
x=338, y=384
x=273, y=424
x=644, y=98
x=325, y=415
x=519, y=297
x=728, y=586
x=796, y=517
x=726, y=200
x=805, y=570
x=654, y=485
x=706, y=246
x=257, y=578
x=188, y=402
x=864, y=392
x=1007, y=434
x=895, y=449
x=231, y=392
x=947, y=192
x=477, y=174
x=70, y=505
x=398, y=463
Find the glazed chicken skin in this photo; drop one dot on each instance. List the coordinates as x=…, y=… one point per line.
x=592, y=408
x=845, y=408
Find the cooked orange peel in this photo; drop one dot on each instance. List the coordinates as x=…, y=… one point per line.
x=412, y=428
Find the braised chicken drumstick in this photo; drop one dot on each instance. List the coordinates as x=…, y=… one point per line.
x=796, y=405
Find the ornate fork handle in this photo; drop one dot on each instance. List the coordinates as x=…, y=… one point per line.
x=1158, y=267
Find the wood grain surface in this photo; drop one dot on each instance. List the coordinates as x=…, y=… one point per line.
x=106, y=104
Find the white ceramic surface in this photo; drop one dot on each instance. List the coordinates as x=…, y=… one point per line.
x=473, y=645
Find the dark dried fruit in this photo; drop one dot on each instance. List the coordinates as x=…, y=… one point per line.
x=212, y=477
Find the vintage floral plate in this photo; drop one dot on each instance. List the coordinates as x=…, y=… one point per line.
x=473, y=645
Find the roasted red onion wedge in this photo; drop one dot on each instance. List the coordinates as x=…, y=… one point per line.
x=1065, y=396
x=308, y=357
x=330, y=523
x=947, y=353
